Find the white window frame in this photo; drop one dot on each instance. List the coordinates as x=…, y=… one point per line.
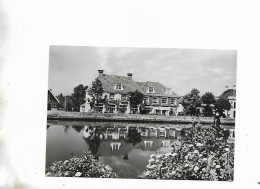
x=124, y=97
x=165, y=101
x=99, y=108
x=111, y=108
x=155, y=100
x=119, y=86
x=146, y=99
x=112, y=96
x=173, y=101
x=150, y=91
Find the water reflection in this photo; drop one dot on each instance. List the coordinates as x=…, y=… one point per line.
x=125, y=148
x=133, y=136
x=66, y=128
x=77, y=128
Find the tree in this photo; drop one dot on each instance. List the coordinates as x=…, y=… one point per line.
x=133, y=136
x=191, y=101
x=221, y=105
x=208, y=99
x=68, y=103
x=135, y=98
x=61, y=98
x=96, y=92
x=78, y=97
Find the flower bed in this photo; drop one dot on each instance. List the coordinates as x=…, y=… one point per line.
x=82, y=166
x=204, y=154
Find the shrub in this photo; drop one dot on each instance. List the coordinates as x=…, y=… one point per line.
x=204, y=155
x=81, y=166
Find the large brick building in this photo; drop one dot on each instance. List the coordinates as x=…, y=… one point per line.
x=158, y=99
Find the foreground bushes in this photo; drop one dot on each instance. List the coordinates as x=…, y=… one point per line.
x=82, y=166
x=205, y=155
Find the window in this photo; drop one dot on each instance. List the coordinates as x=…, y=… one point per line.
x=119, y=86
x=155, y=100
x=123, y=107
x=164, y=100
x=234, y=104
x=99, y=108
x=146, y=100
x=111, y=108
x=173, y=101
x=150, y=90
x=123, y=96
x=54, y=105
x=111, y=95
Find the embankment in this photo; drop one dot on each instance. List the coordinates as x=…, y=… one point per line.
x=140, y=118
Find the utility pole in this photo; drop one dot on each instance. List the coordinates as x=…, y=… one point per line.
x=65, y=103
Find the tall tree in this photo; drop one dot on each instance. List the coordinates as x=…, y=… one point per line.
x=78, y=97
x=191, y=101
x=135, y=98
x=221, y=105
x=61, y=98
x=96, y=92
x=68, y=103
x=208, y=99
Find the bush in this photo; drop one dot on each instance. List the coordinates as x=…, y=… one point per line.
x=181, y=113
x=204, y=155
x=82, y=166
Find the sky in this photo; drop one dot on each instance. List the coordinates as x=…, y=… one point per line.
x=181, y=70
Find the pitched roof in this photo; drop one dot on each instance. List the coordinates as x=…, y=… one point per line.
x=49, y=91
x=109, y=82
x=227, y=93
x=159, y=89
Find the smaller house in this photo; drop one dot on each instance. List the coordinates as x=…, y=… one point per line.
x=53, y=101
x=230, y=95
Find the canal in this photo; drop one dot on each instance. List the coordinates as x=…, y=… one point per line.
x=125, y=147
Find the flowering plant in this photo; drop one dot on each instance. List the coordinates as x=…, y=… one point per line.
x=203, y=155
x=82, y=166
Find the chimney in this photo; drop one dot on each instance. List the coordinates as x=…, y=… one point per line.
x=129, y=75
x=100, y=72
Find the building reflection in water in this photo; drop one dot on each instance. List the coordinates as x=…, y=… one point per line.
x=120, y=140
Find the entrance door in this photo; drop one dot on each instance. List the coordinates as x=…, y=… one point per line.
x=49, y=106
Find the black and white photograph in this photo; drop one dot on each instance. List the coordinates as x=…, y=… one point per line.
x=141, y=113
x=129, y=94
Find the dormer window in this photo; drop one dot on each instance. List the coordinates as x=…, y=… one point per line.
x=119, y=86
x=150, y=90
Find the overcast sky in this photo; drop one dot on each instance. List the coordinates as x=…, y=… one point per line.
x=179, y=69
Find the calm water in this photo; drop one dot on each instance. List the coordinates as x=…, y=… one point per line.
x=126, y=148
